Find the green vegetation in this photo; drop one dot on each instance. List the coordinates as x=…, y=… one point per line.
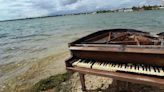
x=53, y=82
x=104, y=11
x=146, y=8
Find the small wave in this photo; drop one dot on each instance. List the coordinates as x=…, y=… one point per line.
x=3, y=35
x=11, y=49
x=7, y=57
x=156, y=21
x=37, y=50
x=2, y=44
x=16, y=41
x=39, y=39
x=28, y=36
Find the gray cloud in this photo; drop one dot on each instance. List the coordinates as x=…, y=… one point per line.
x=13, y=9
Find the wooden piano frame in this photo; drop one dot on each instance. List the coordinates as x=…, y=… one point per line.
x=150, y=52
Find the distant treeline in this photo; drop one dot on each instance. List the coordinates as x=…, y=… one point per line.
x=146, y=8
x=155, y=7
x=103, y=11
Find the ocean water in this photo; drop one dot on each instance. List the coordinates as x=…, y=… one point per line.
x=22, y=40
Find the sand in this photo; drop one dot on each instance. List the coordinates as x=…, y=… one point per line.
x=34, y=71
x=103, y=84
x=54, y=64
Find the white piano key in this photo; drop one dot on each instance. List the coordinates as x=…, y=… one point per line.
x=144, y=70
x=161, y=72
x=109, y=66
x=76, y=62
x=94, y=65
x=104, y=67
x=133, y=69
x=140, y=70
x=123, y=67
x=83, y=64
x=152, y=70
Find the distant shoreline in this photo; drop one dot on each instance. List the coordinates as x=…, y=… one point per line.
x=143, y=8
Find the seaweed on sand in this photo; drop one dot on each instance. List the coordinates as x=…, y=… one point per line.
x=53, y=82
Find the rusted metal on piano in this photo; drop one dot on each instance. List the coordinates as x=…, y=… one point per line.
x=119, y=45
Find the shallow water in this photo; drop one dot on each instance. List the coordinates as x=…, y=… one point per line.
x=23, y=40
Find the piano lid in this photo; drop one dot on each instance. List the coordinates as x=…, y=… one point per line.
x=161, y=34
x=119, y=37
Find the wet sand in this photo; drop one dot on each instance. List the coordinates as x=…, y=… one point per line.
x=42, y=68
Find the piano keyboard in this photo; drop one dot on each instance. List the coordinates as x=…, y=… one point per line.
x=107, y=66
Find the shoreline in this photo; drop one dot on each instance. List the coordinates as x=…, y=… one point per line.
x=40, y=69
x=93, y=12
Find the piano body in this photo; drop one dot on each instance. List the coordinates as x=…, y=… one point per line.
x=122, y=54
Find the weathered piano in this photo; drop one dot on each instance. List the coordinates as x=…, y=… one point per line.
x=122, y=54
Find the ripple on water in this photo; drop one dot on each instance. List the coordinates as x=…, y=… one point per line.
x=3, y=35
x=7, y=57
x=9, y=49
x=29, y=36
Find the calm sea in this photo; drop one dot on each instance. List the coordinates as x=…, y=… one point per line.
x=23, y=40
x=31, y=38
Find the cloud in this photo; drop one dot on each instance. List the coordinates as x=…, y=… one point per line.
x=13, y=9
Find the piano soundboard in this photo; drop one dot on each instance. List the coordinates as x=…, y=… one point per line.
x=119, y=67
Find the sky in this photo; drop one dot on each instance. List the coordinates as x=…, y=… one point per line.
x=15, y=9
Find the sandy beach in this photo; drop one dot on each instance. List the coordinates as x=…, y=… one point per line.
x=42, y=69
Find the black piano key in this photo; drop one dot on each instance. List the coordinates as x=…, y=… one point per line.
x=135, y=67
x=138, y=67
x=106, y=63
x=118, y=65
x=125, y=66
x=154, y=69
x=121, y=66
x=146, y=68
x=101, y=63
x=143, y=68
x=93, y=62
x=131, y=66
x=149, y=68
x=157, y=69
x=162, y=68
x=87, y=61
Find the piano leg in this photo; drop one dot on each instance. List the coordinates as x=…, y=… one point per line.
x=82, y=80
